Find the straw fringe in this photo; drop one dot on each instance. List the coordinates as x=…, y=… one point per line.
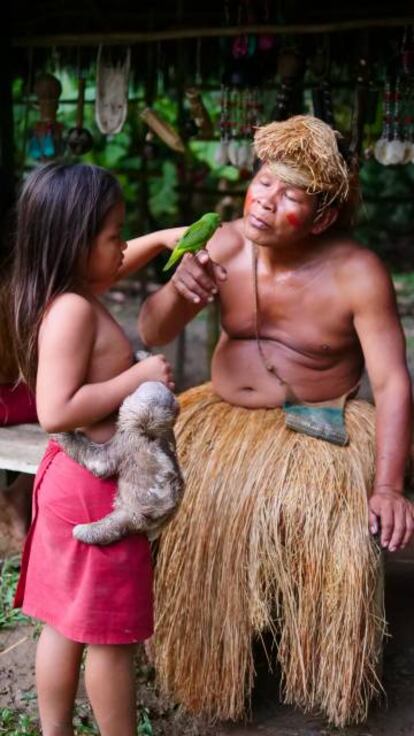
x=272, y=535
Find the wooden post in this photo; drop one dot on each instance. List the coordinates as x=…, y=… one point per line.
x=144, y=187
x=179, y=368
x=7, y=184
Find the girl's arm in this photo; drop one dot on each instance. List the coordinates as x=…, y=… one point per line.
x=65, y=400
x=143, y=249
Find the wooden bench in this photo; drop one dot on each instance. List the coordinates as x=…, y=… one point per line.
x=22, y=447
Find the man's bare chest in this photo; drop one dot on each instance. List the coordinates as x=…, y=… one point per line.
x=312, y=318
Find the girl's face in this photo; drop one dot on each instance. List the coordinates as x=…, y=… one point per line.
x=106, y=255
x=276, y=213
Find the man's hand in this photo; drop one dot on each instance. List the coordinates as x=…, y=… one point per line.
x=197, y=278
x=391, y=514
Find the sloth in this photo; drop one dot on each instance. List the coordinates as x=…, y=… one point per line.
x=142, y=454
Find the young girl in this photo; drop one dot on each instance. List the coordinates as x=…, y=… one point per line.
x=69, y=248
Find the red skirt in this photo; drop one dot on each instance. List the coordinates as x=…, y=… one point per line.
x=90, y=594
x=17, y=404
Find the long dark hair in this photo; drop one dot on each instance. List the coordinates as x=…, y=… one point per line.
x=60, y=211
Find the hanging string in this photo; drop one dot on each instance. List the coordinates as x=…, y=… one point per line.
x=198, y=77
x=30, y=53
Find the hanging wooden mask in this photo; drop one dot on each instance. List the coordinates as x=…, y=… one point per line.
x=111, y=105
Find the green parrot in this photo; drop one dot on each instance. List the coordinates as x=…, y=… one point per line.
x=195, y=237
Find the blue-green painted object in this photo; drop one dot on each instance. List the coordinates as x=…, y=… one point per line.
x=322, y=422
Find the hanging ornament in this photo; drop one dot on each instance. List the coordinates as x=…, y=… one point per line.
x=407, y=119
x=322, y=93
x=79, y=139
x=266, y=42
x=163, y=130
x=289, y=62
x=370, y=118
x=188, y=128
x=111, y=104
x=240, y=46
x=288, y=67
x=45, y=141
x=221, y=154
x=252, y=110
x=408, y=140
x=380, y=148
x=199, y=113
x=395, y=150
x=234, y=143
x=359, y=109
x=407, y=52
x=149, y=149
x=407, y=101
x=322, y=102
x=240, y=114
x=240, y=104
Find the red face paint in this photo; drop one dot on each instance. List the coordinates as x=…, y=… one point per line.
x=292, y=219
x=247, y=201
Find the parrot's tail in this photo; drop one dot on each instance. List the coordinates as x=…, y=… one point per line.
x=172, y=259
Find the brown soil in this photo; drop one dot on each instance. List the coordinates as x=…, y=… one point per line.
x=391, y=717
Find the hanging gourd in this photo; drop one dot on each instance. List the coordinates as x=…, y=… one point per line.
x=79, y=139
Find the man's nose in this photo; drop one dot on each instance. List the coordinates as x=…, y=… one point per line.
x=268, y=202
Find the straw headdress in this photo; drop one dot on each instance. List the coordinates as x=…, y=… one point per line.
x=303, y=151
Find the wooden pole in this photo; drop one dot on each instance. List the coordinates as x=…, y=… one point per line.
x=184, y=202
x=120, y=38
x=7, y=184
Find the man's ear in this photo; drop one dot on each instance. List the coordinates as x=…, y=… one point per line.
x=326, y=218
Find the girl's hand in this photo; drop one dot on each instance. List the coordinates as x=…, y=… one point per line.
x=155, y=368
x=141, y=250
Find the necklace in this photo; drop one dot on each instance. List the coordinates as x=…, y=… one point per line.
x=266, y=362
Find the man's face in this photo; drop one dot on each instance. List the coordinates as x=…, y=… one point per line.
x=276, y=213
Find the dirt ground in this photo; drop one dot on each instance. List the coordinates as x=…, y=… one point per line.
x=392, y=716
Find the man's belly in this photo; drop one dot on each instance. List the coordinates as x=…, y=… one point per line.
x=240, y=377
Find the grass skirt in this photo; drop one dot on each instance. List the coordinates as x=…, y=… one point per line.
x=272, y=535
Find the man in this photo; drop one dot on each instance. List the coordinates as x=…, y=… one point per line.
x=276, y=531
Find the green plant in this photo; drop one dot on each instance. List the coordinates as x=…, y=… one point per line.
x=10, y=616
x=83, y=721
x=145, y=725
x=13, y=723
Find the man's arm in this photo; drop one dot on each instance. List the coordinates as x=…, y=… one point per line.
x=379, y=330
x=193, y=285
